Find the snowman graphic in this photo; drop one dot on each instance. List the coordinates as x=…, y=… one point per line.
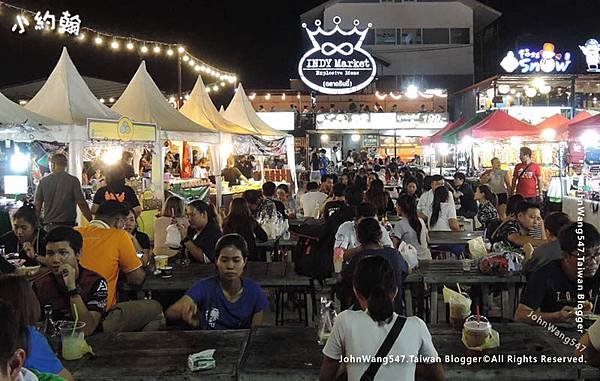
x=547, y=63
x=591, y=50
x=510, y=63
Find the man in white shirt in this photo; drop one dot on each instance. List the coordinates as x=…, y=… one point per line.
x=425, y=204
x=312, y=200
x=346, y=238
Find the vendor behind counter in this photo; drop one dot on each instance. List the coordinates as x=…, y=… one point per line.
x=232, y=174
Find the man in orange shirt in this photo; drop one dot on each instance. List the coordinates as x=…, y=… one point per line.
x=108, y=250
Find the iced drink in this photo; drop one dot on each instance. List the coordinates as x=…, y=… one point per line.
x=161, y=261
x=476, y=333
x=458, y=314
x=73, y=340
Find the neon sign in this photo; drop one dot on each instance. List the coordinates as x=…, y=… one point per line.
x=591, y=51
x=67, y=23
x=337, y=63
x=530, y=61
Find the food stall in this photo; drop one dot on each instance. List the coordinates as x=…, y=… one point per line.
x=143, y=101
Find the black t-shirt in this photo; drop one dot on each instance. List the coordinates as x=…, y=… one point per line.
x=124, y=194
x=11, y=245
x=550, y=290
x=231, y=175
x=332, y=207
x=246, y=168
x=142, y=239
x=468, y=206
x=207, y=239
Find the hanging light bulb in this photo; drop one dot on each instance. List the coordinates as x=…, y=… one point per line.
x=215, y=88
x=192, y=63
x=111, y=100
x=98, y=40
x=170, y=52
x=186, y=58
x=114, y=45
x=197, y=67
x=144, y=49
x=180, y=49
x=156, y=49
x=81, y=37
x=102, y=100
x=222, y=84
x=412, y=92
x=208, y=89
x=129, y=46
x=530, y=92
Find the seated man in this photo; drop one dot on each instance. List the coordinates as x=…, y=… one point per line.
x=108, y=250
x=268, y=189
x=552, y=291
x=70, y=284
x=549, y=251
x=335, y=202
x=515, y=231
x=465, y=196
x=425, y=204
x=346, y=234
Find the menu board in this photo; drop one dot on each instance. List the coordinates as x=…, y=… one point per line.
x=370, y=141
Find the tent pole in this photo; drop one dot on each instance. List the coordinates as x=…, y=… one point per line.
x=179, y=94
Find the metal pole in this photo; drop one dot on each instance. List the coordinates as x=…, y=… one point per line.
x=179, y=94
x=395, y=144
x=572, y=96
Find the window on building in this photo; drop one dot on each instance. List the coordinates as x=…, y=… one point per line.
x=436, y=36
x=385, y=37
x=460, y=36
x=409, y=36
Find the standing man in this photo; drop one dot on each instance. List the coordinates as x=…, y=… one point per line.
x=334, y=157
x=323, y=162
x=526, y=177
x=58, y=194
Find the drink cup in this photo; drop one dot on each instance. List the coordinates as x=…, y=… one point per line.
x=73, y=341
x=466, y=264
x=161, y=261
x=338, y=259
x=166, y=272
x=476, y=333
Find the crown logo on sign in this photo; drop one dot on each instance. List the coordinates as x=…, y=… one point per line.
x=329, y=41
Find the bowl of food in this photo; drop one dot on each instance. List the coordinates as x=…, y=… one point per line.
x=28, y=270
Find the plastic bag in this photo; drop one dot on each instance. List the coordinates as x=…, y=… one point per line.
x=173, y=239
x=477, y=248
x=326, y=321
x=500, y=263
x=460, y=304
x=409, y=253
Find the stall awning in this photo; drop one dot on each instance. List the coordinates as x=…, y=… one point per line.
x=452, y=137
x=437, y=137
x=577, y=128
x=201, y=109
x=500, y=125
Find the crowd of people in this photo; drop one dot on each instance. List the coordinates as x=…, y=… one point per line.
x=90, y=264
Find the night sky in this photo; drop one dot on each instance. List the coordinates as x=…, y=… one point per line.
x=261, y=41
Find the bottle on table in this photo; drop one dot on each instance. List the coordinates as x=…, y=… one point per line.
x=50, y=328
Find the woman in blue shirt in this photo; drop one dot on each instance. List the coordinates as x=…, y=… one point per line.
x=17, y=291
x=227, y=300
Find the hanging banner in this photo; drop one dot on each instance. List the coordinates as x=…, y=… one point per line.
x=337, y=63
x=123, y=130
x=254, y=145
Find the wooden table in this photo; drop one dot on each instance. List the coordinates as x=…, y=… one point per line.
x=159, y=355
x=281, y=353
x=437, y=273
x=278, y=275
x=453, y=238
x=516, y=339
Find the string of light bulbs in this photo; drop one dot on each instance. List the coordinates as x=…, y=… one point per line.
x=145, y=47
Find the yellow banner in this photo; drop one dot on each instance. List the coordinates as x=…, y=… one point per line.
x=123, y=130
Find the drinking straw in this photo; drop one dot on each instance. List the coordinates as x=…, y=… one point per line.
x=458, y=285
x=478, y=315
x=595, y=301
x=76, y=319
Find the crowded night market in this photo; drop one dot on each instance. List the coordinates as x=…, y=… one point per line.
x=319, y=190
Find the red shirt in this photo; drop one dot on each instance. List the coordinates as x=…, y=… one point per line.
x=527, y=183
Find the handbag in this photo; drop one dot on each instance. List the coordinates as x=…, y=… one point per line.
x=384, y=349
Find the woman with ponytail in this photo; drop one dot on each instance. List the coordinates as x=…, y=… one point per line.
x=369, y=234
x=363, y=332
x=411, y=228
x=443, y=213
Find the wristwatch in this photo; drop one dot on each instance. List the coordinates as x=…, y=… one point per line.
x=74, y=292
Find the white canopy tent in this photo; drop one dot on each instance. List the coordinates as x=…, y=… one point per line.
x=143, y=101
x=240, y=111
x=20, y=124
x=66, y=98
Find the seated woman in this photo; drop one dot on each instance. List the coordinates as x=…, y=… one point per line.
x=26, y=238
x=486, y=210
x=411, y=228
x=17, y=291
x=443, y=214
x=411, y=187
x=240, y=221
x=362, y=332
x=369, y=235
x=200, y=237
x=377, y=195
x=173, y=212
x=227, y=300
x=140, y=240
